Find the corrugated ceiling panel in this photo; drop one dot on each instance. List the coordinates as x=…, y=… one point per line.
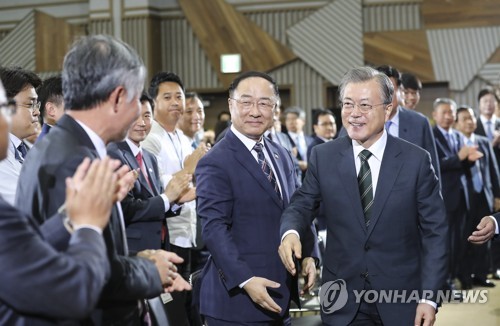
x=391, y=17
x=331, y=39
x=458, y=54
x=469, y=95
x=491, y=73
x=101, y=26
x=307, y=86
x=275, y=23
x=134, y=32
x=15, y=52
x=182, y=54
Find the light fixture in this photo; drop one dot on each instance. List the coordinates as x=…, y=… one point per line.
x=230, y=63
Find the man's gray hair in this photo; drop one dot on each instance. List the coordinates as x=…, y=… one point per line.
x=444, y=100
x=364, y=74
x=95, y=66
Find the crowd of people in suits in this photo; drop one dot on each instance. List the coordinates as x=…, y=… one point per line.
x=120, y=209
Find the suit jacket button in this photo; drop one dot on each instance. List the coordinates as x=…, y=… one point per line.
x=367, y=247
x=364, y=275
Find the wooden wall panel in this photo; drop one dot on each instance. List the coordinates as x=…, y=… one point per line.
x=221, y=29
x=53, y=37
x=408, y=51
x=460, y=13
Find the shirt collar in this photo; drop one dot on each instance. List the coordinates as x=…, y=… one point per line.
x=133, y=147
x=444, y=132
x=249, y=143
x=484, y=119
x=97, y=141
x=395, y=118
x=377, y=149
x=16, y=141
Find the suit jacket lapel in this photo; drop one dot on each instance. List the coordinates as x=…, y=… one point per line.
x=132, y=162
x=277, y=162
x=389, y=170
x=350, y=181
x=152, y=176
x=403, y=124
x=246, y=159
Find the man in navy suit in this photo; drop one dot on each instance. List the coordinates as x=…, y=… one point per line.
x=243, y=185
x=29, y=261
x=324, y=127
x=483, y=185
x=455, y=159
x=386, y=222
x=102, y=82
x=147, y=205
x=408, y=124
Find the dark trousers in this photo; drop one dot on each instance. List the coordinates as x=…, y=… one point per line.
x=367, y=314
x=218, y=322
x=476, y=257
x=456, y=239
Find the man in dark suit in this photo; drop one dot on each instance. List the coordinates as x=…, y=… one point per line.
x=386, y=224
x=455, y=158
x=102, y=82
x=28, y=260
x=146, y=205
x=324, y=127
x=244, y=281
x=483, y=185
x=295, y=119
x=51, y=103
x=488, y=124
x=408, y=124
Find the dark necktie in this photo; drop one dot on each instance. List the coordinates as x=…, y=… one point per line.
x=23, y=150
x=266, y=168
x=365, y=185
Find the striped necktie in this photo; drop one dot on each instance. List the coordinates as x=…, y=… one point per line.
x=365, y=185
x=266, y=168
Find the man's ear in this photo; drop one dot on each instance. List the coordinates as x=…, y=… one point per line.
x=117, y=97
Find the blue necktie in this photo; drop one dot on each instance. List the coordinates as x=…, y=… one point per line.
x=23, y=150
x=477, y=181
x=449, y=140
x=388, y=126
x=266, y=168
x=489, y=132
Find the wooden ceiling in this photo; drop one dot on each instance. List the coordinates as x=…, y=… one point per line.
x=221, y=29
x=460, y=13
x=53, y=37
x=407, y=50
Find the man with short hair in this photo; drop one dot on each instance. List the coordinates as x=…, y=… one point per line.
x=28, y=260
x=386, y=223
x=20, y=85
x=324, y=127
x=483, y=187
x=102, y=82
x=192, y=120
x=51, y=103
x=243, y=185
x=295, y=119
x=410, y=91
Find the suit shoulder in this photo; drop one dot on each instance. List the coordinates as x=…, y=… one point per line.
x=409, y=147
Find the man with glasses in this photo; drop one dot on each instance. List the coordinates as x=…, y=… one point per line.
x=20, y=85
x=386, y=222
x=243, y=185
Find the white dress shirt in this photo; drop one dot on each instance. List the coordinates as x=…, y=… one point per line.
x=10, y=169
x=171, y=149
x=394, y=127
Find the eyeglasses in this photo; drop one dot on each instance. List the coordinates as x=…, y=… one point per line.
x=8, y=109
x=364, y=108
x=262, y=104
x=33, y=106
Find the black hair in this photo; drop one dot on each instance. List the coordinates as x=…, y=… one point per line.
x=249, y=74
x=390, y=71
x=15, y=79
x=163, y=77
x=50, y=91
